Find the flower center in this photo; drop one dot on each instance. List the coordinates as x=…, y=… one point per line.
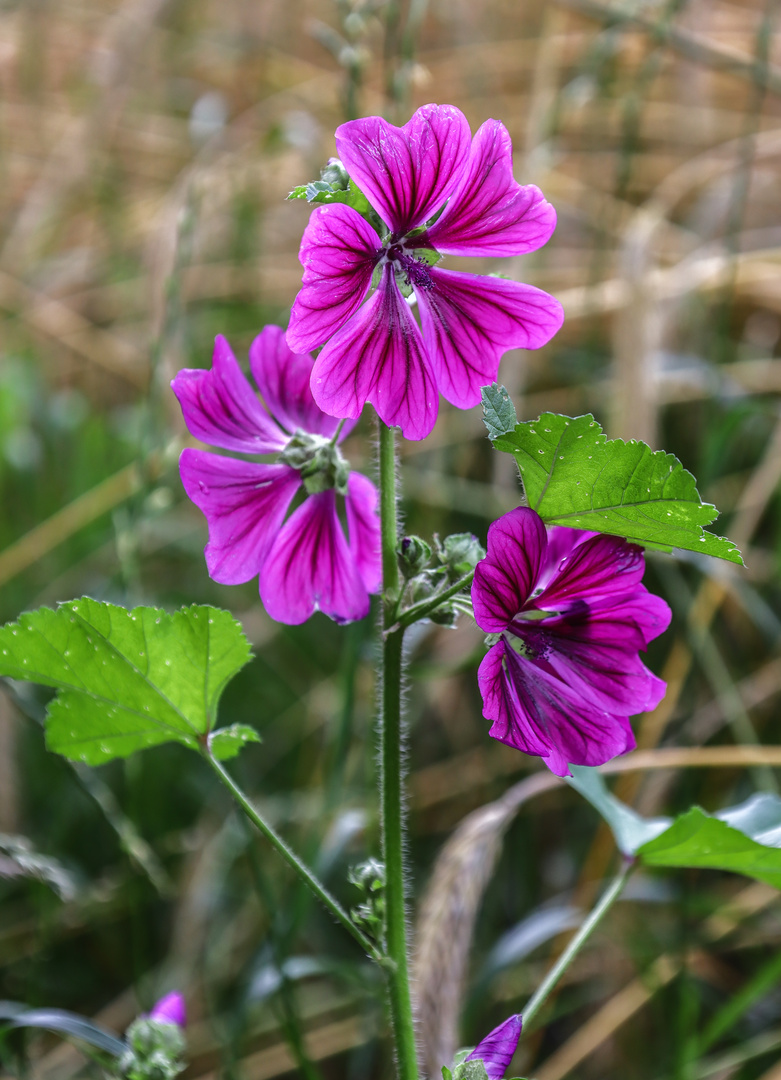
x=412, y=270
x=318, y=460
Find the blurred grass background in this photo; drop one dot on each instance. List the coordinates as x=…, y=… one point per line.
x=146, y=148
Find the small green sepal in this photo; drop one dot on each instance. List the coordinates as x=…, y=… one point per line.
x=227, y=742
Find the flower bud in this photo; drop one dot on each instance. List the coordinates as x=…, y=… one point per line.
x=170, y=1009
x=414, y=554
x=335, y=174
x=460, y=553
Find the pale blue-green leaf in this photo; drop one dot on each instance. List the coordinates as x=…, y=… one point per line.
x=125, y=680
x=630, y=830
x=65, y=1023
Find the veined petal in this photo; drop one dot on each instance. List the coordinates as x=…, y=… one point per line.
x=548, y=712
x=363, y=525
x=310, y=567
x=500, y=703
x=469, y=321
x=244, y=504
x=338, y=252
x=283, y=379
x=505, y=578
x=497, y=1048
x=221, y=408
x=602, y=567
x=598, y=656
x=379, y=357
x=406, y=173
x=561, y=543
x=491, y=214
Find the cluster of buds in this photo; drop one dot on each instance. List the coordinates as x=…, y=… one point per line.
x=369, y=877
x=155, y=1042
x=453, y=558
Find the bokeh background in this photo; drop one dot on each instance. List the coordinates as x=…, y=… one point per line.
x=146, y=149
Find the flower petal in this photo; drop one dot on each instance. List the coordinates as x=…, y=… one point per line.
x=469, y=321
x=245, y=505
x=601, y=568
x=540, y=710
x=497, y=1048
x=597, y=653
x=170, y=1009
x=283, y=379
x=310, y=567
x=338, y=251
x=500, y=703
x=491, y=214
x=221, y=408
x=406, y=173
x=379, y=357
x=505, y=578
x=363, y=524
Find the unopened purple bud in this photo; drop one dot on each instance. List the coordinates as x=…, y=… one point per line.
x=497, y=1048
x=170, y=1009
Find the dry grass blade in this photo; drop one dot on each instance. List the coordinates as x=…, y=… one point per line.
x=69, y=163
x=694, y=47
x=465, y=866
x=447, y=918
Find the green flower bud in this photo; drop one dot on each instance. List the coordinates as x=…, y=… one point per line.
x=460, y=553
x=414, y=555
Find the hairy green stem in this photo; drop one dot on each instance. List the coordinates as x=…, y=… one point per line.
x=391, y=764
x=590, y=923
x=424, y=608
x=292, y=859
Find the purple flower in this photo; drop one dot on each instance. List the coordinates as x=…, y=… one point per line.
x=571, y=616
x=306, y=562
x=497, y=1048
x=170, y=1009
x=374, y=351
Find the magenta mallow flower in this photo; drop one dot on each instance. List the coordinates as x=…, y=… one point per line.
x=570, y=617
x=497, y=1048
x=438, y=192
x=170, y=1009
x=306, y=562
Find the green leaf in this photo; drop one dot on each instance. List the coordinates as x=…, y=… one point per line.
x=320, y=193
x=499, y=414
x=125, y=680
x=228, y=742
x=64, y=1023
x=745, y=839
x=630, y=830
x=574, y=475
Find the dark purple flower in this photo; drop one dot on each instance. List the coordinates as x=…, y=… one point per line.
x=306, y=562
x=170, y=1009
x=497, y=1048
x=571, y=616
x=374, y=351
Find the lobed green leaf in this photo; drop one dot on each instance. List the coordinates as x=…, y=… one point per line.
x=574, y=475
x=126, y=680
x=745, y=839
